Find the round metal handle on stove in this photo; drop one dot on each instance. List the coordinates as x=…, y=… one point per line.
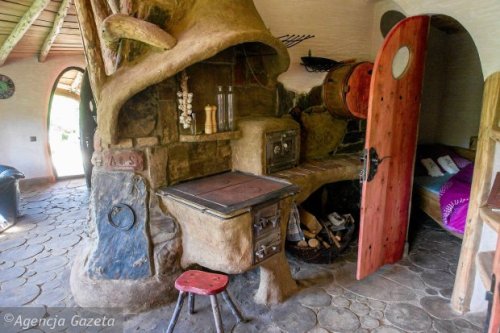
x=121, y=216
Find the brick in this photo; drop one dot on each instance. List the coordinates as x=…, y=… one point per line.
x=146, y=142
x=123, y=144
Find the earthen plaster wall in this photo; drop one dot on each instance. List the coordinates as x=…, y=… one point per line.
x=342, y=30
x=25, y=113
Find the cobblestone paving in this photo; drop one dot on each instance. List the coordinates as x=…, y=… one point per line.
x=411, y=296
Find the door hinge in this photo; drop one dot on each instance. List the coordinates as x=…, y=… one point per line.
x=490, y=294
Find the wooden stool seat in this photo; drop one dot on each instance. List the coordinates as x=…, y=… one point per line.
x=201, y=283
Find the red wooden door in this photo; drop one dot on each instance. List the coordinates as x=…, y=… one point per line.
x=392, y=132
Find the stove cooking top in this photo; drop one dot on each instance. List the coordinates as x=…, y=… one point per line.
x=230, y=191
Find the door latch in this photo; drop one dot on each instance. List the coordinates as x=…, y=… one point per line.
x=370, y=168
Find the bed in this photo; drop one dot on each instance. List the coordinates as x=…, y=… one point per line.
x=444, y=198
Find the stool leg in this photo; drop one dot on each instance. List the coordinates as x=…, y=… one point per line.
x=234, y=308
x=215, y=308
x=191, y=303
x=177, y=311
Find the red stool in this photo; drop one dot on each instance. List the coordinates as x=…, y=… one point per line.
x=203, y=283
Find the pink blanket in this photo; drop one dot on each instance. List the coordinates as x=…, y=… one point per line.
x=454, y=199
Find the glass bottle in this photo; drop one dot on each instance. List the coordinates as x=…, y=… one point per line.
x=230, y=109
x=221, y=110
x=193, y=123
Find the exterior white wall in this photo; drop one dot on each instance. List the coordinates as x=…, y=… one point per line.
x=342, y=30
x=25, y=113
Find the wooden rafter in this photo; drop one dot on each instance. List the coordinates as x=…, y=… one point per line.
x=56, y=28
x=20, y=29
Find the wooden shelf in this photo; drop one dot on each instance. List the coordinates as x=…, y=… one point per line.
x=232, y=135
x=490, y=217
x=484, y=264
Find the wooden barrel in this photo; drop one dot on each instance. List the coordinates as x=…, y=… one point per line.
x=346, y=90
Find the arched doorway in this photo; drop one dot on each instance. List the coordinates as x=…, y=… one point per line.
x=450, y=113
x=63, y=124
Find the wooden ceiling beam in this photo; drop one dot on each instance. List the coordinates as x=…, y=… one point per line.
x=51, y=37
x=20, y=29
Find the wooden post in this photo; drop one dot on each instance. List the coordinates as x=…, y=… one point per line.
x=56, y=28
x=481, y=183
x=95, y=63
x=20, y=29
x=109, y=55
x=113, y=6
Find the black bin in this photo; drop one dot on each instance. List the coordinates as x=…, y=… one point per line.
x=9, y=194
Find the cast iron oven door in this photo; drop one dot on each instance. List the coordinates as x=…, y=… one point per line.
x=282, y=150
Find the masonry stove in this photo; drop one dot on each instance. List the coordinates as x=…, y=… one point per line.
x=231, y=221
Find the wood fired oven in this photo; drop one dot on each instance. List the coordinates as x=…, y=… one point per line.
x=267, y=145
x=232, y=221
x=282, y=150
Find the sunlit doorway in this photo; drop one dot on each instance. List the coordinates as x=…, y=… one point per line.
x=63, y=124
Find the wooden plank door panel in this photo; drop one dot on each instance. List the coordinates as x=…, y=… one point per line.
x=392, y=130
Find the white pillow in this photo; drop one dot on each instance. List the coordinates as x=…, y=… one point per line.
x=447, y=164
x=432, y=168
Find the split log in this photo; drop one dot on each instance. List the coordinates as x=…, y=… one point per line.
x=120, y=26
x=109, y=54
x=113, y=6
x=95, y=62
x=308, y=234
x=302, y=243
x=20, y=29
x=56, y=28
x=313, y=242
x=309, y=221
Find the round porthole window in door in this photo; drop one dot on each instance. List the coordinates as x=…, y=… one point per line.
x=7, y=87
x=400, y=62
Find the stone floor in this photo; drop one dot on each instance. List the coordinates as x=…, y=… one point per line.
x=411, y=296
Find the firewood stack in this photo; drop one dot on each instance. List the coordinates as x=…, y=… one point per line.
x=332, y=233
